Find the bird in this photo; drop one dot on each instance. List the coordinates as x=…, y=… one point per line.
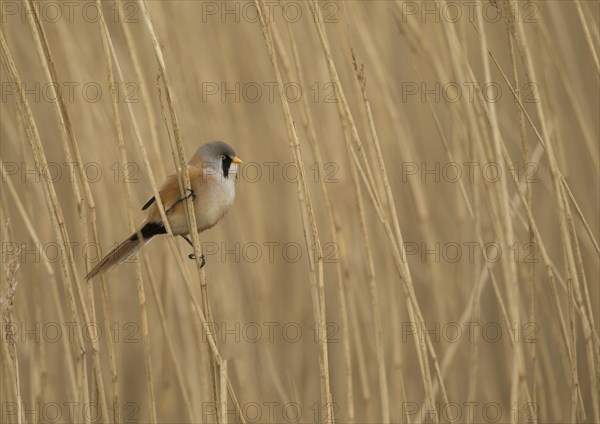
x=212, y=171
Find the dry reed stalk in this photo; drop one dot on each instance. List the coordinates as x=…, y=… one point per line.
x=68, y=272
x=584, y=127
x=569, y=342
x=208, y=332
x=473, y=308
x=137, y=134
x=110, y=347
x=157, y=163
x=104, y=286
x=588, y=35
x=499, y=197
x=560, y=298
x=399, y=254
x=184, y=179
x=421, y=45
x=295, y=74
x=488, y=119
x=481, y=284
x=11, y=380
x=526, y=158
x=542, y=145
x=10, y=263
x=360, y=350
x=406, y=151
x=68, y=138
x=541, y=139
x=62, y=117
x=305, y=200
x=576, y=305
x=439, y=70
x=67, y=132
x=24, y=215
x=376, y=310
x=143, y=151
x=507, y=235
x=507, y=160
x=169, y=342
x=142, y=147
x=584, y=222
x=131, y=221
x=587, y=318
x=39, y=364
x=562, y=204
x=170, y=238
x=223, y=391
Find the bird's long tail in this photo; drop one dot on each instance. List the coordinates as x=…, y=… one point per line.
x=126, y=249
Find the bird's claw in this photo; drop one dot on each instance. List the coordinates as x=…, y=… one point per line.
x=192, y=194
x=202, y=259
x=181, y=199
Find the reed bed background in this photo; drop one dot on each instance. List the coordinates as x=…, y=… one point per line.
x=414, y=237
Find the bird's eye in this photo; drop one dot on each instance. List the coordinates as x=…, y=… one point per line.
x=222, y=157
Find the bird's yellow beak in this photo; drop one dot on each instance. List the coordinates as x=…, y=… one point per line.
x=235, y=159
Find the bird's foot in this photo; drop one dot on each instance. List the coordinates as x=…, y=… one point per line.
x=202, y=259
x=192, y=194
x=181, y=199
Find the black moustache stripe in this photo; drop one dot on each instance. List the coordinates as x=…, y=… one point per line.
x=226, y=166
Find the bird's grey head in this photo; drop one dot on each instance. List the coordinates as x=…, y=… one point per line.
x=215, y=156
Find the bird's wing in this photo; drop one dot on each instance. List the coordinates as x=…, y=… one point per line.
x=148, y=203
x=169, y=192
